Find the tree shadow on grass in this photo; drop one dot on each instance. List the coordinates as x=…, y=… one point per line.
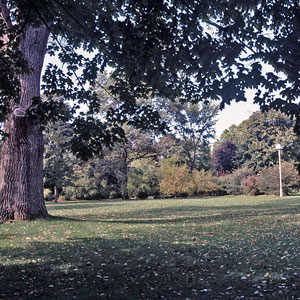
x=80, y=205
x=4, y=236
x=96, y=268
x=52, y=218
x=185, y=214
x=194, y=214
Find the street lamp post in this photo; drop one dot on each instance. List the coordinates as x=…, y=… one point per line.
x=279, y=147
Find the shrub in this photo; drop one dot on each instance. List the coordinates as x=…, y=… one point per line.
x=268, y=182
x=142, y=179
x=48, y=195
x=85, y=183
x=82, y=192
x=175, y=181
x=89, y=184
x=114, y=195
x=205, y=183
x=250, y=185
x=232, y=183
x=110, y=188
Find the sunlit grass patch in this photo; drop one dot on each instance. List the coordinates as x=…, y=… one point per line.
x=209, y=248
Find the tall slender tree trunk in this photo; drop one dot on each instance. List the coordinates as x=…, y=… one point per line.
x=124, y=188
x=56, y=194
x=124, y=176
x=21, y=169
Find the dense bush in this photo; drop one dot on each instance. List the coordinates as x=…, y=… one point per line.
x=175, y=180
x=244, y=181
x=178, y=181
x=268, y=182
x=205, y=183
x=86, y=183
x=80, y=192
x=232, y=183
x=250, y=185
x=142, y=180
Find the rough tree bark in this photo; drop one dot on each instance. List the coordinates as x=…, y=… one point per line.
x=21, y=169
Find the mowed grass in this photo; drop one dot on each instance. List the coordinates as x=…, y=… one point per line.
x=209, y=248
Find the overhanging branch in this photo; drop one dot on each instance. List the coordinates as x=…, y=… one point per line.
x=5, y=14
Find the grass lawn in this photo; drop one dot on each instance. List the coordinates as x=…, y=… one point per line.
x=209, y=248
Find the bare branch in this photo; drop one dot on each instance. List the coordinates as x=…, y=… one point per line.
x=5, y=13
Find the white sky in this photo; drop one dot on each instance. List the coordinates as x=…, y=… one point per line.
x=235, y=113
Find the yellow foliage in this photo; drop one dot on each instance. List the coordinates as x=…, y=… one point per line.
x=204, y=182
x=175, y=180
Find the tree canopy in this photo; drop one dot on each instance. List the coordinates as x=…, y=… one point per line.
x=268, y=34
x=172, y=49
x=193, y=127
x=255, y=140
x=223, y=157
x=154, y=47
x=176, y=49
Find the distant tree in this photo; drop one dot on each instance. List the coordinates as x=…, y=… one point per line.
x=58, y=159
x=256, y=139
x=262, y=131
x=223, y=158
x=139, y=145
x=168, y=145
x=192, y=125
x=86, y=182
x=234, y=134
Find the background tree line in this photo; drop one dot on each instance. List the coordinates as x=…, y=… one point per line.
x=246, y=159
x=182, y=161
x=140, y=166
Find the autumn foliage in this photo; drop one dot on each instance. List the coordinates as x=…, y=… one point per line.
x=177, y=180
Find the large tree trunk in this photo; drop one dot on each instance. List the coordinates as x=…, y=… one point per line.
x=21, y=169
